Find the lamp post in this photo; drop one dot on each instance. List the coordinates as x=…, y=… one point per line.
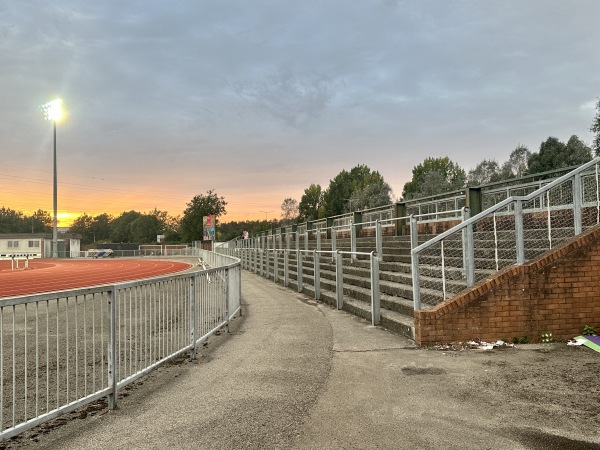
x=53, y=111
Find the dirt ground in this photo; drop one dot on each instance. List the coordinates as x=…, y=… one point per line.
x=527, y=390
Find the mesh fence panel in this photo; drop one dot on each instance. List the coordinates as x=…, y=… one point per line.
x=543, y=221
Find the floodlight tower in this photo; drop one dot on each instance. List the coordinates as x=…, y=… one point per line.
x=53, y=111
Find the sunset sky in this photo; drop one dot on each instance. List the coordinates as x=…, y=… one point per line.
x=259, y=99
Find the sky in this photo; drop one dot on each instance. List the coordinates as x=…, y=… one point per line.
x=257, y=100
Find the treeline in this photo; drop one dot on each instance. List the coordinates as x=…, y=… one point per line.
x=12, y=221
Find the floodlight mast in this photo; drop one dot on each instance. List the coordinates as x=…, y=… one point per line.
x=53, y=112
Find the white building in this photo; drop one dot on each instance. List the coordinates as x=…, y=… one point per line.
x=38, y=245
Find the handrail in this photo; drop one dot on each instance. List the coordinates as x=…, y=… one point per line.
x=504, y=203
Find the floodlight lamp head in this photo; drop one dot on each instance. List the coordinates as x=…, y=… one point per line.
x=53, y=110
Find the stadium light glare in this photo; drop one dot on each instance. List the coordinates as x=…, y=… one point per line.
x=53, y=111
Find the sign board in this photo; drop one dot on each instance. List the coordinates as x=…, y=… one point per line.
x=208, y=228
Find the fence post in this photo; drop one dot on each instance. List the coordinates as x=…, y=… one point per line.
x=577, y=204
x=353, y=241
x=519, y=234
x=414, y=233
x=468, y=249
x=414, y=261
x=275, y=265
x=333, y=243
x=228, y=294
x=299, y=269
x=379, y=240
x=318, y=239
x=339, y=279
x=112, y=351
x=375, y=295
x=286, y=267
x=192, y=313
x=317, y=278
x=261, y=262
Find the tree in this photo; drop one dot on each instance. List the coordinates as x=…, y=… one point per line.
x=450, y=177
x=555, y=154
x=11, y=221
x=190, y=227
x=310, y=203
x=485, y=172
x=289, y=210
x=145, y=229
x=336, y=199
x=101, y=226
x=41, y=221
x=83, y=225
x=120, y=227
x=374, y=194
x=595, y=128
x=517, y=164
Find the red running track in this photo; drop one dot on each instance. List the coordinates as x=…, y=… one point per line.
x=48, y=275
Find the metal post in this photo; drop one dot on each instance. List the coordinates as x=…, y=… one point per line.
x=318, y=239
x=339, y=279
x=468, y=250
x=577, y=204
x=379, y=240
x=353, y=241
x=317, y=278
x=414, y=233
x=286, y=267
x=275, y=266
x=375, y=294
x=192, y=313
x=333, y=243
x=519, y=234
x=112, y=350
x=299, y=269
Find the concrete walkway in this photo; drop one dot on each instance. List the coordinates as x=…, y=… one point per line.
x=297, y=374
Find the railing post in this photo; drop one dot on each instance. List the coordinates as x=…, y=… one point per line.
x=468, y=249
x=229, y=289
x=375, y=294
x=353, y=241
x=379, y=240
x=519, y=234
x=577, y=204
x=306, y=239
x=299, y=269
x=275, y=265
x=261, y=263
x=339, y=279
x=286, y=267
x=112, y=351
x=414, y=261
x=318, y=239
x=333, y=243
x=192, y=315
x=317, y=277
x=414, y=233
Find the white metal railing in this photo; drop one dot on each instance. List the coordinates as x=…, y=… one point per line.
x=512, y=231
x=270, y=262
x=62, y=350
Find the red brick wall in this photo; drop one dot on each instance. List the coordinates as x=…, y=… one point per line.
x=557, y=293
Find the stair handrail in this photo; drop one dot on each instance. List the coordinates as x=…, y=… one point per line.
x=518, y=201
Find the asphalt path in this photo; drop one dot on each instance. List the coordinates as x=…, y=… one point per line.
x=294, y=373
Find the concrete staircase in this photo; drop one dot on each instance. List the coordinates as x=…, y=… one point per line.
x=395, y=272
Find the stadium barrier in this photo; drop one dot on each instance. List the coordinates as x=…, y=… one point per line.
x=63, y=350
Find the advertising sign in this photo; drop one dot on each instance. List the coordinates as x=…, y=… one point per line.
x=208, y=228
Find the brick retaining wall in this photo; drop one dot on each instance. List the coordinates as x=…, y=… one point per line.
x=558, y=293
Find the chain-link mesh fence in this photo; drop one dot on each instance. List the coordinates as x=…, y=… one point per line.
x=511, y=232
